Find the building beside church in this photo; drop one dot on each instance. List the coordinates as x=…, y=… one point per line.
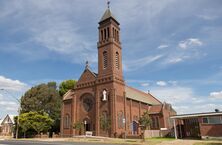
x=207, y=125
x=6, y=125
x=105, y=95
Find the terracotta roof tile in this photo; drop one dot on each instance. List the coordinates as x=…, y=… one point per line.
x=138, y=95
x=155, y=109
x=68, y=95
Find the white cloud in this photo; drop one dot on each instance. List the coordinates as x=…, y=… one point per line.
x=162, y=46
x=216, y=95
x=174, y=83
x=51, y=27
x=184, y=99
x=139, y=63
x=144, y=84
x=161, y=83
x=190, y=43
x=9, y=106
x=12, y=90
x=174, y=60
x=173, y=94
x=207, y=17
x=14, y=85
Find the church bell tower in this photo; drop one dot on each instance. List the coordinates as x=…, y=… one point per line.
x=109, y=47
x=110, y=85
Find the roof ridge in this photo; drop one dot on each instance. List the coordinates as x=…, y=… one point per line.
x=143, y=93
x=91, y=71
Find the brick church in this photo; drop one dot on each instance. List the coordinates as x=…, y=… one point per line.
x=104, y=97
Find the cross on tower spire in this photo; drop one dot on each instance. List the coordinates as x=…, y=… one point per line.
x=108, y=3
x=87, y=64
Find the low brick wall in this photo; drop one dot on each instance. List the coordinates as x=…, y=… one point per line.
x=155, y=133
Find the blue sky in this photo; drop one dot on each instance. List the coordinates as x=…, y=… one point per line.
x=171, y=48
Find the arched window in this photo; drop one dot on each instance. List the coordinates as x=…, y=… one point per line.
x=105, y=61
x=108, y=32
x=105, y=34
x=105, y=121
x=117, y=35
x=67, y=121
x=120, y=120
x=113, y=33
x=101, y=34
x=117, y=60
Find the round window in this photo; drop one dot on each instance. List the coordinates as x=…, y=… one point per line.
x=87, y=104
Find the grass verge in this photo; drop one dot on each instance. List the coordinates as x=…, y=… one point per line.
x=207, y=143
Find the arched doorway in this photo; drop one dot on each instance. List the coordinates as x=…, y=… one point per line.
x=134, y=127
x=87, y=124
x=88, y=112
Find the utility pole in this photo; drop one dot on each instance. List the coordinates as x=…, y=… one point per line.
x=17, y=129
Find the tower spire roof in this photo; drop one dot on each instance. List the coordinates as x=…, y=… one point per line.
x=108, y=14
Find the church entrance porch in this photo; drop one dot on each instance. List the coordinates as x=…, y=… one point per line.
x=87, y=125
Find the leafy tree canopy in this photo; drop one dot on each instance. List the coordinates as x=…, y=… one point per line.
x=145, y=120
x=33, y=120
x=66, y=85
x=105, y=123
x=43, y=98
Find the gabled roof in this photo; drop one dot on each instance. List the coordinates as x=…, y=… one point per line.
x=12, y=118
x=68, y=95
x=155, y=109
x=8, y=119
x=87, y=75
x=108, y=14
x=138, y=95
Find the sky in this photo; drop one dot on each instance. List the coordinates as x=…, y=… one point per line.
x=171, y=48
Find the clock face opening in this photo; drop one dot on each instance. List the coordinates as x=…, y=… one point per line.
x=87, y=104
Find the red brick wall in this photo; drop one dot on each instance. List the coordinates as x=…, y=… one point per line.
x=212, y=130
x=67, y=110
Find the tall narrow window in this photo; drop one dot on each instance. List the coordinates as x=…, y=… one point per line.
x=105, y=34
x=117, y=35
x=101, y=34
x=66, y=121
x=113, y=33
x=120, y=120
x=105, y=61
x=108, y=32
x=117, y=60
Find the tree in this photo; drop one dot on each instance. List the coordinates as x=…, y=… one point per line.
x=25, y=122
x=34, y=120
x=105, y=123
x=66, y=85
x=78, y=126
x=41, y=122
x=145, y=120
x=44, y=98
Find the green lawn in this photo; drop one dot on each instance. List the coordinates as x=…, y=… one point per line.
x=161, y=138
x=157, y=140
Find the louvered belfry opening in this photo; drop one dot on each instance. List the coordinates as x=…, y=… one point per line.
x=117, y=60
x=105, y=61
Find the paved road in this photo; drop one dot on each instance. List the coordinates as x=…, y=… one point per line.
x=15, y=142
